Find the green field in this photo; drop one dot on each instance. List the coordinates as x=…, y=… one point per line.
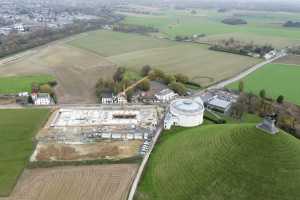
x=109, y=43
x=18, y=128
x=134, y=51
x=16, y=84
x=216, y=162
x=276, y=79
x=262, y=25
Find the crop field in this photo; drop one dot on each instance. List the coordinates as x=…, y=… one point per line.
x=290, y=59
x=235, y=161
x=75, y=70
x=107, y=182
x=109, y=43
x=18, y=128
x=15, y=84
x=196, y=61
x=276, y=79
x=264, y=25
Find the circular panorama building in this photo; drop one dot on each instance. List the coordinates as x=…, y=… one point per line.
x=184, y=113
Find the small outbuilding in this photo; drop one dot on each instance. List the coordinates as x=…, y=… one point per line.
x=166, y=95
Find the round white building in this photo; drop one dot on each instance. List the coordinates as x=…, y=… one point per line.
x=184, y=113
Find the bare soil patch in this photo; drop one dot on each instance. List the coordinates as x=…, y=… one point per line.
x=99, y=150
x=105, y=182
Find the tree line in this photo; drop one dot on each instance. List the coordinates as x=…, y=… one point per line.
x=292, y=24
x=237, y=47
x=131, y=28
x=234, y=21
x=119, y=82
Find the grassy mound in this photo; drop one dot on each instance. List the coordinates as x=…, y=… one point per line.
x=223, y=162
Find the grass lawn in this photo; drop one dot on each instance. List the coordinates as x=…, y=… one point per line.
x=15, y=84
x=17, y=129
x=234, y=161
x=276, y=79
x=108, y=43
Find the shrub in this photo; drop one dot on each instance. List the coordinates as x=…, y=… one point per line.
x=280, y=99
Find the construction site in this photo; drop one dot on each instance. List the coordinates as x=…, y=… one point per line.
x=100, y=132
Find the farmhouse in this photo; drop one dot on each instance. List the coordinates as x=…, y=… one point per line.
x=270, y=55
x=107, y=98
x=184, y=113
x=110, y=98
x=165, y=95
x=41, y=98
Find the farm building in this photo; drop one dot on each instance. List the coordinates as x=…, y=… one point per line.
x=184, y=113
x=220, y=105
x=218, y=100
x=110, y=98
x=166, y=95
x=41, y=98
x=107, y=98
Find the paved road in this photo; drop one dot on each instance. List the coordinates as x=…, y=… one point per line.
x=144, y=163
x=243, y=74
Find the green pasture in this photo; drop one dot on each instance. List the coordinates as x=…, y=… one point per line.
x=17, y=131
x=16, y=84
x=267, y=25
x=109, y=43
x=276, y=79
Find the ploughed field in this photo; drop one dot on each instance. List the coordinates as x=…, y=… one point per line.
x=290, y=59
x=235, y=161
x=17, y=131
x=107, y=182
x=276, y=79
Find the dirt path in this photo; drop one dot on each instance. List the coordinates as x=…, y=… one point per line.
x=105, y=182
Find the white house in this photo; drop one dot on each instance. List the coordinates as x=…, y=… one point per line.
x=270, y=55
x=19, y=27
x=41, y=98
x=110, y=98
x=166, y=95
x=107, y=98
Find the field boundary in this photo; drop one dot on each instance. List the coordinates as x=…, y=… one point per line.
x=50, y=164
x=143, y=164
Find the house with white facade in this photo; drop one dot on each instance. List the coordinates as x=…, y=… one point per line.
x=166, y=95
x=107, y=98
x=41, y=99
